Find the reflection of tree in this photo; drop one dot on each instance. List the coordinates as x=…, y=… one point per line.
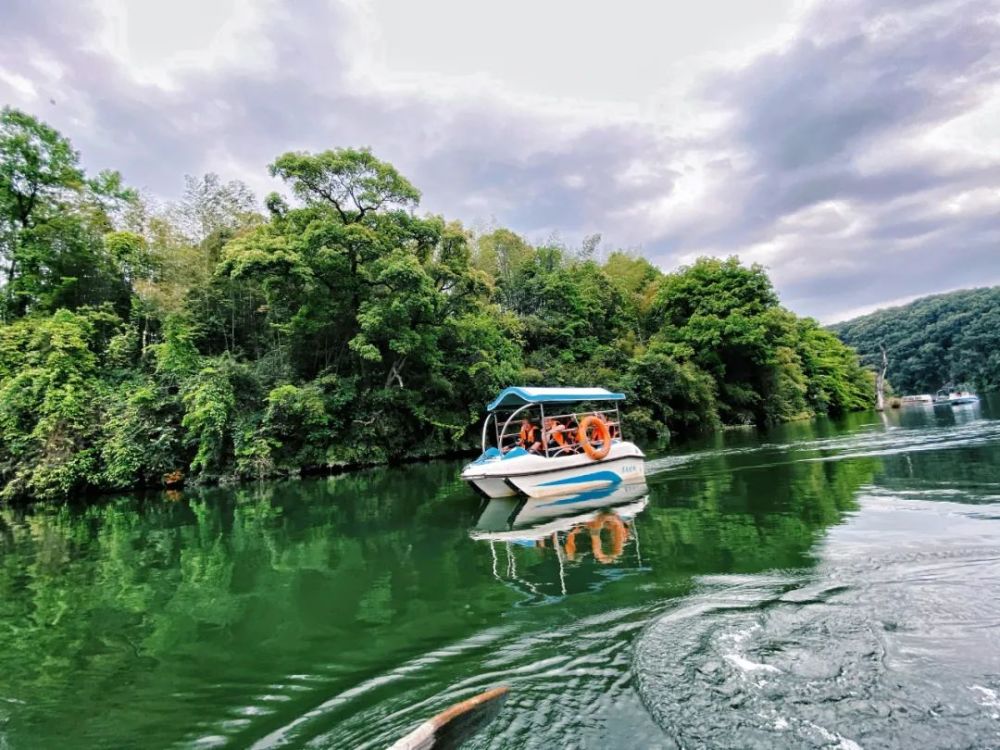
x=732, y=521
x=138, y=618
x=724, y=519
x=131, y=604
x=970, y=468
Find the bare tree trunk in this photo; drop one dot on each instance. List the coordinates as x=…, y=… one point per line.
x=394, y=373
x=880, y=381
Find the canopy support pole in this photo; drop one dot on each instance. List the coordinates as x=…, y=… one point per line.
x=513, y=414
x=485, y=425
x=545, y=436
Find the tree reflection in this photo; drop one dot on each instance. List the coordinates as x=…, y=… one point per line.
x=140, y=616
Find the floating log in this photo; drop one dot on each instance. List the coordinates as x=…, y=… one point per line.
x=453, y=726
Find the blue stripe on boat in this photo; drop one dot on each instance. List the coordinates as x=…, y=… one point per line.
x=488, y=455
x=594, y=476
x=584, y=497
x=514, y=453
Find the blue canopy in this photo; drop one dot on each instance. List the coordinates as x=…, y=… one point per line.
x=521, y=395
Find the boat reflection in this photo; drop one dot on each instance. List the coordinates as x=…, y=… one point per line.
x=542, y=546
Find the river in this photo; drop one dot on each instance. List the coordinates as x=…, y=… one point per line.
x=829, y=584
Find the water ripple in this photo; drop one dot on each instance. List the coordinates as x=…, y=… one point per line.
x=891, y=642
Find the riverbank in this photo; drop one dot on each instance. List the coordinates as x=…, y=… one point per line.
x=178, y=479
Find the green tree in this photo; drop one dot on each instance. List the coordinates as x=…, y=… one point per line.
x=50, y=400
x=723, y=312
x=933, y=342
x=52, y=220
x=768, y=365
x=353, y=181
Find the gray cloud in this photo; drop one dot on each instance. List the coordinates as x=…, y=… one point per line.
x=861, y=80
x=823, y=121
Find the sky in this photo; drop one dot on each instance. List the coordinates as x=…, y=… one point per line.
x=850, y=146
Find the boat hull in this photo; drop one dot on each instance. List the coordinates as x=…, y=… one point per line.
x=957, y=401
x=598, y=475
x=537, y=476
x=492, y=487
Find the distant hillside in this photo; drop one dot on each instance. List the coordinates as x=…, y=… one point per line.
x=946, y=338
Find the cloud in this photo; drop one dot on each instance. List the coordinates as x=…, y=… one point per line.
x=827, y=156
x=836, y=187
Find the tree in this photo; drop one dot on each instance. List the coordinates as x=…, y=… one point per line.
x=934, y=341
x=724, y=313
x=210, y=206
x=52, y=220
x=667, y=396
x=880, y=380
x=352, y=181
x=37, y=168
x=501, y=254
x=769, y=365
x=50, y=400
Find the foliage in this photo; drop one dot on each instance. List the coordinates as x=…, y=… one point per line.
x=51, y=223
x=769, y=365
x=204, y=340
x=934, y=342
x=49, y=413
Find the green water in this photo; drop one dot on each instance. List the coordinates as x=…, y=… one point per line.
x=822, y=585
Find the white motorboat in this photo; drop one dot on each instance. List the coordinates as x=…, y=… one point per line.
x=553, y=441
x=948, y=397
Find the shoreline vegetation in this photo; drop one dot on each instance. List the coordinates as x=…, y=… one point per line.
x=146, y=345
x=940, y=341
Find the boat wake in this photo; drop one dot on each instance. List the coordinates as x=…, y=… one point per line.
x=892, y=642
x=561, y=680
x=875, y=442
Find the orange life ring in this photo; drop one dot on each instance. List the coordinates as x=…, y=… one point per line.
x=570, y=546
x=603, y=437
x=619, y=535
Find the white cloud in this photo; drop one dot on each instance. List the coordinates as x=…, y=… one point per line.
x=19, y=84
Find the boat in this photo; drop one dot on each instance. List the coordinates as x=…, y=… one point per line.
x=950, y=397
x=922, y=398
x=963, y=397
x=553, y=441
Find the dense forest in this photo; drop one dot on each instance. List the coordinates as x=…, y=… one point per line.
x=934, y=342
x=215, y=337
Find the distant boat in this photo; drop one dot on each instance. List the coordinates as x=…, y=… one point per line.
x=922, y=398
x=948, y=397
